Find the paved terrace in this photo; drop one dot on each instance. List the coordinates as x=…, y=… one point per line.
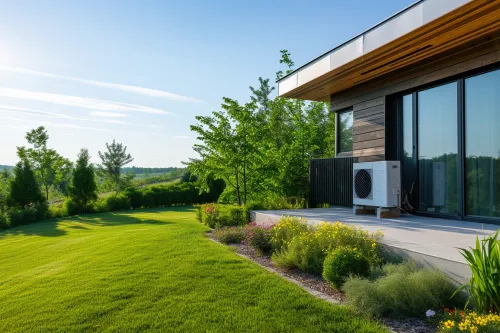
x=428, y=240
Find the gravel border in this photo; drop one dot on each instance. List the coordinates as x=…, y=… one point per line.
x=318, y=287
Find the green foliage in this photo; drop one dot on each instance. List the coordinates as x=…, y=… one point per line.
x=5, y=177
x=83, y=188
x=484, y=262
x=400, y=290
x=117, y=202
x=263, y=148
x=258, y=237
x=135, y=196
x=286, y=229
x=219, y=215
x=336, y=235
x=303, y=253
x=50, y=167
x=112, y=161
x=24, y=189
x=229, y=235
x=273, y=202
x=343, y=262
x=16, y=216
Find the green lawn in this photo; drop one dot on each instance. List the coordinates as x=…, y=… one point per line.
x=147, y=270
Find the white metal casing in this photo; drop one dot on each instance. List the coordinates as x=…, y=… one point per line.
x=386, y=184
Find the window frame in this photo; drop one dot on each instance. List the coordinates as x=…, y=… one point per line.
x=337, y=134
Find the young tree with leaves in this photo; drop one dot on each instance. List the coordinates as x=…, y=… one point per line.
x=115, y=158
x=24, y=189
x=50, y=167
x=83, y=187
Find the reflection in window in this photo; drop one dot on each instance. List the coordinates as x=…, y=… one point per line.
x=345, y=131
x=438, y=149
x=482, y=144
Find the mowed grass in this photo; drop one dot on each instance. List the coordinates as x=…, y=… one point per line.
x=148, y=270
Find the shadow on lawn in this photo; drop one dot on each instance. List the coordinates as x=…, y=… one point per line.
x=49, y=228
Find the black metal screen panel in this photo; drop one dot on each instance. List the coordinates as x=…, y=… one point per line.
x=330, y=181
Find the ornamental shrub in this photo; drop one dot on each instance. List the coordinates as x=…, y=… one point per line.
x=400, y=290
x=4, y=221
x=484, y=262
x=228, y=235
x=219, y=215
x=343, y=262
x=258, y=237
x=303, y=252
x=336, y=235
x=287, y=228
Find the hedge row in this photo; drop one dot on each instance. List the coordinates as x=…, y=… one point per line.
x=153, y=196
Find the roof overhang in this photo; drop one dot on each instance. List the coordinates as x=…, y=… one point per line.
x=423, y=30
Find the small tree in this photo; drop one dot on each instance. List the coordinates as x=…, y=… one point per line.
x=50, y=167
x=24, y=189
x=113, y=161
x=83, y=188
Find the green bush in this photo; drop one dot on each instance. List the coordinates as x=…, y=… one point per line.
x=303, y=253
x=135, y=196
x=336, y=235
x=4, y=221
x=400, y=290
x=484, y=262
x=117, y=202
x=259, y=238
x=276, y=202
x=70, y=207
x=342, y=263
x=22, y=216
x=228, y=235
x=287, y=228
x=219, y=215
x=57, y=211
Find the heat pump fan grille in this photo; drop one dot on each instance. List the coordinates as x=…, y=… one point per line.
x=363, y=184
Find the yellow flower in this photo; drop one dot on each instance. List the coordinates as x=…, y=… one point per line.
x=374, y=245
x=449, y=324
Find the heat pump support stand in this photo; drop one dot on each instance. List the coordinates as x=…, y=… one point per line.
x=362, y=210
x=385, y=213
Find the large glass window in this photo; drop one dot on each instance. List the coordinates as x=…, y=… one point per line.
x=438, y=149
x=344, y=127
x=482, y=144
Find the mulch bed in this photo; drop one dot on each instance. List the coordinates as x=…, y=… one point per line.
x=317, y=284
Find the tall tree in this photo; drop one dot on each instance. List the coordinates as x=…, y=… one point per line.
x=24, y=189
x=50, y=167
x=113, y=160
x=83, y=187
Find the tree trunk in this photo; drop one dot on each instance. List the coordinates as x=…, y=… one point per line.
x=238, y=189
x=46, y=192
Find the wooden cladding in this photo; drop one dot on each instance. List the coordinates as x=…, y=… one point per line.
x=368, y=100
x=476, y=19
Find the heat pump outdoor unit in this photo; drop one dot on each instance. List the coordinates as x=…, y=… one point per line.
x=377, y=184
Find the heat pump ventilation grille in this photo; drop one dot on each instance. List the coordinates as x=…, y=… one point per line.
x=363, y=184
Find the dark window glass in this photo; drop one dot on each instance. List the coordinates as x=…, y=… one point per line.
x=407, y=160
x=437, y=149
x=482, y=144
x=345, y=131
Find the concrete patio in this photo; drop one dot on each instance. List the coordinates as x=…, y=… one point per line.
x=429, y=241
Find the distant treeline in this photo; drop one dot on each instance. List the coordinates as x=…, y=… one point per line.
x=139, y=171
x=8, y=167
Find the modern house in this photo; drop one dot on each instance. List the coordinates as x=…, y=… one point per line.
x=422, y=88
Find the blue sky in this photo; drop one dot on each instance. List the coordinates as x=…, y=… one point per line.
x=140, y=71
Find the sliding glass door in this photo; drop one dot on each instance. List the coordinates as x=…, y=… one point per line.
x=450, y=147
x=482, y=145
x=438, y=149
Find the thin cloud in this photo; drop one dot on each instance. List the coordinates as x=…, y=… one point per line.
x=107, y=114
x=123, y=87
x=76, y=101
x=13, y=109
x=182, y=137
x=72, y=126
